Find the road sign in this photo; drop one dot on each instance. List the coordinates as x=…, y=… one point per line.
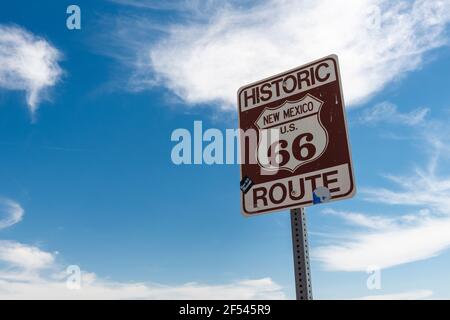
x=301, y=155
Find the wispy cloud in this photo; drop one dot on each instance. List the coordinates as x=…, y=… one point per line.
x=407, y=295
x=204, y=61
x=388, y=112
x=389, y=240
x=362, y=220
x=27, y=62
x=422, y=238
x=10, y=213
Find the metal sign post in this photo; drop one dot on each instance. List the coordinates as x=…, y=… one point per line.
x=303, y=288
x=309, y=162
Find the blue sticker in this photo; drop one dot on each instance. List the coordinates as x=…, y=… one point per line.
x=246, y=184
x=321, y=195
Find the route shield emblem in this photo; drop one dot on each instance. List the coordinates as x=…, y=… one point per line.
x=297, y=135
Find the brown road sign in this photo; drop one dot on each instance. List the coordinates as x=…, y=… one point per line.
x=294, y=146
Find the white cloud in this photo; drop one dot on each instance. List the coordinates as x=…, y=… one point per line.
x=31, y=273
x=10, y=213
x=28, y=272
x=388, y=112
x=389, y=240
x=362, y=220
x=206, y=60
x=30, y=279
x=29, y=258
x=425, y=238
x=407, y=295
x=27, y=63
x=14, y=254
x=92, y=288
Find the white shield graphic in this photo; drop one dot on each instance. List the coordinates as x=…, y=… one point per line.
x=300, y=135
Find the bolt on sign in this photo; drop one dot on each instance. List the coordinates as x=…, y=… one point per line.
x=294, y=149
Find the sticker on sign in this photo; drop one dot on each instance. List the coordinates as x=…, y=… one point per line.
x=301, y=156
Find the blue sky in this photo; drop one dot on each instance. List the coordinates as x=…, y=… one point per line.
x=87, y=178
